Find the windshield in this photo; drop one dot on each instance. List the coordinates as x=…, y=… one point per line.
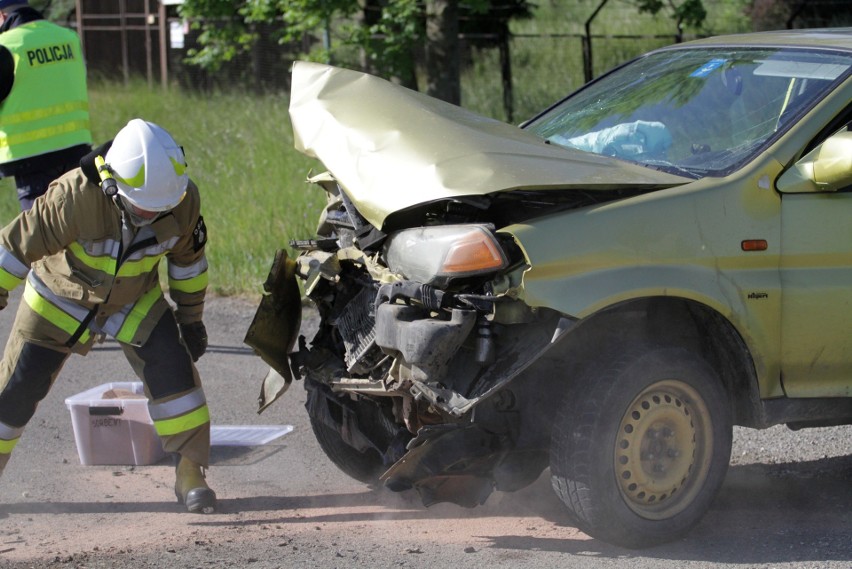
x=693, y=112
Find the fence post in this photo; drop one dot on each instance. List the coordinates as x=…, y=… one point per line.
x=79, y=18
x=163, y=20
x=149, y=55
x=587, y=44
x=125, y=58
x=506, y=73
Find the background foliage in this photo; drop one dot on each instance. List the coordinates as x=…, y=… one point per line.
x=239, y=142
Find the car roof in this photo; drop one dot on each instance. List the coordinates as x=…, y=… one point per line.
x=834, y=38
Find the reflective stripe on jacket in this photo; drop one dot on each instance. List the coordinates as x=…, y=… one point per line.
x=48, y=107
x=82, y=278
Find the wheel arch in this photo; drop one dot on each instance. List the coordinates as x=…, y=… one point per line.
x=667, y=321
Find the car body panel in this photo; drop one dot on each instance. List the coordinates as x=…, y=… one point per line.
x=392, y=148
x=816, y=272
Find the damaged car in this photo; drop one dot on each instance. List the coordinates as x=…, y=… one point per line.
x=604, y=291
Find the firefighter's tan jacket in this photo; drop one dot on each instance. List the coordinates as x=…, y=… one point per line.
x=85, y=281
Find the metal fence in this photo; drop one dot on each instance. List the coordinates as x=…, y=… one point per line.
x=126, y=38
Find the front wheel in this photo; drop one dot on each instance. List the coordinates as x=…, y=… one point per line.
x=363, y=466
x=641, y=445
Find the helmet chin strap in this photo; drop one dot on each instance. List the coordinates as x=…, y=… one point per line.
x=135, y=220
x=125, y=215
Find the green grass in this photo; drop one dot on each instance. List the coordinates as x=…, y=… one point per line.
x=240, y=153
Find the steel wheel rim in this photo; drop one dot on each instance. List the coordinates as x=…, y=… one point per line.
x=663, y=449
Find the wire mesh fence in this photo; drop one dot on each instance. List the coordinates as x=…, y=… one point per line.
x=148, y=38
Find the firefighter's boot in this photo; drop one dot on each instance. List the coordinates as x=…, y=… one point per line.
x=191, y=489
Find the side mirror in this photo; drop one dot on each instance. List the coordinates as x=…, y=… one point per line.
x=827, y=168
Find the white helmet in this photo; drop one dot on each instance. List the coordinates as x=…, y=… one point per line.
x=148, y=166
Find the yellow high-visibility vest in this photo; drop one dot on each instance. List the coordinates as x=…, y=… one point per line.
x=48, y=107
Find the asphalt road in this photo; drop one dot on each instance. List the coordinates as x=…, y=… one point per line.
x=787, y=501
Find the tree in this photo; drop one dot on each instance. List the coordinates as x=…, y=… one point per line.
x=387, y=37
x=387, y=33
x=686, y=13
x=442, y=50
x=776, y=14
x=229, y=27
x=59, y=11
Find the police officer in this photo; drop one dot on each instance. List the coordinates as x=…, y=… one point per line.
x=44, y=106
x=89, y=250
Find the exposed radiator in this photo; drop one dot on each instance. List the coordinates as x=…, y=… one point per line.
x=357, y=326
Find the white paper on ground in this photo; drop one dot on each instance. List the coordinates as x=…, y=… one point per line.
x=246, y=435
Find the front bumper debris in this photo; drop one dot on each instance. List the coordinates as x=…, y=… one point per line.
x=275, y=327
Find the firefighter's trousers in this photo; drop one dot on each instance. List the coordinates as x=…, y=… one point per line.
x=176, y=401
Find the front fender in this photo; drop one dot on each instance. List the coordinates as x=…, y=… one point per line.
x=683, y=243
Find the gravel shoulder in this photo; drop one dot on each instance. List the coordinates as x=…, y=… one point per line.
x=787, y=500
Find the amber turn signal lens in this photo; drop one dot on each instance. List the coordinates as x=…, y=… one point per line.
x=755, y=245
x=473, y=253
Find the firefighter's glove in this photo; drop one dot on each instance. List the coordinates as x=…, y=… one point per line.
x=4, y=298
x=195, y=337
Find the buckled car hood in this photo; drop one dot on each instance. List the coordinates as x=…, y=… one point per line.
x=392, y=148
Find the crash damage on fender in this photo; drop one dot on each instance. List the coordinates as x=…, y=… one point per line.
x=421, y=329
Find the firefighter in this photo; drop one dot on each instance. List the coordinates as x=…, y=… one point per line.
x=89, y=251
x=44, y=105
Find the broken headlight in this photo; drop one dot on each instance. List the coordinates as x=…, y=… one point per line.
x=434, y=255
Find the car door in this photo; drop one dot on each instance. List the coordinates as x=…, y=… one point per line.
x=816, y=280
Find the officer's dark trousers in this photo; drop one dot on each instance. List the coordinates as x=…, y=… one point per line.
x=33, y=176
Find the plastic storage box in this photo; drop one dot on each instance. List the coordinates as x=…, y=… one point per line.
x=114, y=430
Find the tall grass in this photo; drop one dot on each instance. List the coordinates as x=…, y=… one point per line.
x=240, y=153
x=547, y=56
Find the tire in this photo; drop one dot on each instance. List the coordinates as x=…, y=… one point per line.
x=364, y=466
x=641, y=446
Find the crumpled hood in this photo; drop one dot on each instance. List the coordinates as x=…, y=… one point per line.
x=391, y=148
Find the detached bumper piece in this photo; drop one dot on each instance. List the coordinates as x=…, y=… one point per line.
x=275, y=327
x=448, y=463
